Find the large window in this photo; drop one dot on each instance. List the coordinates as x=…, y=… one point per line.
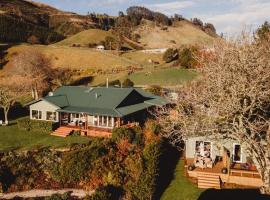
x=51, y=116
x=36, y=114
x=103, y=121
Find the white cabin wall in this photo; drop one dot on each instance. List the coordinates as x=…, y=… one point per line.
x=44, y=106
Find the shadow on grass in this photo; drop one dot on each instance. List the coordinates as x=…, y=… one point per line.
x=231, y=194
x=169, y=160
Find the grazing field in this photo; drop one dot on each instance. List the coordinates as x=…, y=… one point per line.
x=180, y=187
x=78, y=58
x=143, y=58
x=163, y=77
x=84, y=38
x=12, y=138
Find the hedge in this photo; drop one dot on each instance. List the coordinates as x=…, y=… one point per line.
x=36, y=125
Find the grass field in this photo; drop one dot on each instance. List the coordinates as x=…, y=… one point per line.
x=180, y=187
x=12, y=138
x=163, y=77
x=77, y=58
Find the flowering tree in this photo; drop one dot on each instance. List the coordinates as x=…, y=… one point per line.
x=230, y=100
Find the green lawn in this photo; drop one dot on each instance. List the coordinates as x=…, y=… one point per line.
x=164, y=77
x=180, y=187
x=13, y=138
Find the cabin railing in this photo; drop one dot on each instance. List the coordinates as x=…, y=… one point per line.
x=244, y=173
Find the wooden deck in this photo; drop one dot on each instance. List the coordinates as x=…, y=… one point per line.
x=65, y=131
x=234, y=176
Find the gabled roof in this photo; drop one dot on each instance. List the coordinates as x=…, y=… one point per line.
x=111, y=101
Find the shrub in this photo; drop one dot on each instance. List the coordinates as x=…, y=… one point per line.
x=186, y=57
x=127, y=83
x=155, y=89
x=110, y=43
x=153, y=127
x=36, y=125
x=108, y=192
x=170, y=55
x=123, y=133
x=146, y=185
x=75, y=164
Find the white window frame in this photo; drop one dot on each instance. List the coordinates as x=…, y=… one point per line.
x=49, y=119
x=241, y=152
x=96, y=118
x=211, y=144
x=39, y=112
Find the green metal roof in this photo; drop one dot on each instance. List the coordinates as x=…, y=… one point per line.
x=103, y=101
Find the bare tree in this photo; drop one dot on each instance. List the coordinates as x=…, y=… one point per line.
x=229, y=101
x=11, y=89
x=34, y=67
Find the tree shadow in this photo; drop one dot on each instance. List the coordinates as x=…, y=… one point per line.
x=82, y=81
x=16, y=111
x=168, y=162
x=231, y=194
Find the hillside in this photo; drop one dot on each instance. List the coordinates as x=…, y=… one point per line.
x=181, y=33
x=85, y=38
x=19, y=19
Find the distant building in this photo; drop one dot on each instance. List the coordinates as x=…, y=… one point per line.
x=100, y=47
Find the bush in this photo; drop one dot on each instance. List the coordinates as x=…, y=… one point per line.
x=155, y=89
x=36, y=125
x=123, y=133
x=127, y=83
x=170, y=55
x=153, y=127
x=146, y=185
x=108, y=192
x=110, y=43
x=75, y=164
x=186, y=57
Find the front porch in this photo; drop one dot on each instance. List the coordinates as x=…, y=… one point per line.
x=87, y=125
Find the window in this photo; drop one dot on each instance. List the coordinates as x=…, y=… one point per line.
x=51, y=116
x=237, y=153
x=36, y=114
x=95, y=120
x=203, y=149
x=105, y=120
x=110, y=122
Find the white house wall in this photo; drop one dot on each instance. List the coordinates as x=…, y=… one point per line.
x=44, y=106
x=217, y=148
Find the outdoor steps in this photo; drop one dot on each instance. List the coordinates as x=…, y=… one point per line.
x=207, y=180
x=62, y=132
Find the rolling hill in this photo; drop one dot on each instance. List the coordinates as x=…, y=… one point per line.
x=19, y=19
x=181, y=33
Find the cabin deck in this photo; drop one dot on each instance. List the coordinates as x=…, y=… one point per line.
x=238, y=176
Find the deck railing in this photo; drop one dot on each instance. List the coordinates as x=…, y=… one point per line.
x=244, y=173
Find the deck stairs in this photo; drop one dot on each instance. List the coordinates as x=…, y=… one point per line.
x=208, y=180
x=62, y=132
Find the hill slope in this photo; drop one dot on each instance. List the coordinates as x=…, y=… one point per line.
x=19, y=19
x=86, y=37
x=182, y=33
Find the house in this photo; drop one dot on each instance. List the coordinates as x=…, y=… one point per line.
x=94, y=111
x=100, y=48
x=213, y=163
